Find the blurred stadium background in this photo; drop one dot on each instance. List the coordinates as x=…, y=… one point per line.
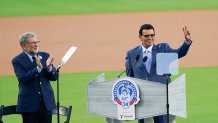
x=103, y=31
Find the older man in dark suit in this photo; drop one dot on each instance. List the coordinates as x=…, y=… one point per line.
x=141, y=60
x=34, y=70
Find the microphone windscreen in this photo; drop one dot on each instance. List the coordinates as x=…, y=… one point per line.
x=137, y=57
x=145, y=59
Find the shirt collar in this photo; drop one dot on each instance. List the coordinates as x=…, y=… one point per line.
x=147, y=49
x=30, y=56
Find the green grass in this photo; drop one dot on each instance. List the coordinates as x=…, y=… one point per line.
x=58, y=7
x=202, y=97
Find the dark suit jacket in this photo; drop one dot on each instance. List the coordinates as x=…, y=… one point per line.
x=31, y=82
x=135, y=67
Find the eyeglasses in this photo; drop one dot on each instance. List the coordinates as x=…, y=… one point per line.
x=147, y=36
x=34, y=42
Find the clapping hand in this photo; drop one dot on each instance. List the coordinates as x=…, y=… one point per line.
x=49, y=61
x=38, y=61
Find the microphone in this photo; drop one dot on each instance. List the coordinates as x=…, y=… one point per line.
x=145, y=59
x=136, y=59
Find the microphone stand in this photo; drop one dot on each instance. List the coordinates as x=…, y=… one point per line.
x=58, y=103
x=66, y=57
x=121, y=74
x=167, y=76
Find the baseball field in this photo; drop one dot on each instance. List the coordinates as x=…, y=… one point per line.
x=103, y=31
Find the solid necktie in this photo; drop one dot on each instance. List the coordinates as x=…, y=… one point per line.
x=37, y=76
x=34, y=60
x=148, y=61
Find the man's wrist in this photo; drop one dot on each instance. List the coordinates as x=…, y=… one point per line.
x=188, y=42
x=49, y=68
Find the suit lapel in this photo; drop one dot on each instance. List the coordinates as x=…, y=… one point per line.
x=27, y=60
x=153, y=64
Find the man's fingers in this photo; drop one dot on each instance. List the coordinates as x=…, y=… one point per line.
x=50, y=61
x=188, y=33
x=51, y=58
x=185, y=30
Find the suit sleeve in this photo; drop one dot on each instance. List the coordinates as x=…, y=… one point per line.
x=52, y=75
x=181, y=51
x=22, y=75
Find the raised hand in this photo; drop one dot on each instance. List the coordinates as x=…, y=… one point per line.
x=187, y=34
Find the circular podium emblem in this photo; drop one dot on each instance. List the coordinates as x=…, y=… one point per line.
x=125, y=94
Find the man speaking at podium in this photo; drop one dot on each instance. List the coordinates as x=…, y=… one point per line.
x=34, y=69
x=141, y=60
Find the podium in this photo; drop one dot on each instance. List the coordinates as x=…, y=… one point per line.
x=152, y=99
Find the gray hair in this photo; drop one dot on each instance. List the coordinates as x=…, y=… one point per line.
x=25, y=36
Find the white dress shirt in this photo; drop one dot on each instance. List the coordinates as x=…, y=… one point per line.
x=147, y=52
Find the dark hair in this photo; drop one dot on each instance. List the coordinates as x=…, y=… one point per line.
x=145, y=26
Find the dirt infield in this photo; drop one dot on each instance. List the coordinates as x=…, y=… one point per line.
x=103, y=39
